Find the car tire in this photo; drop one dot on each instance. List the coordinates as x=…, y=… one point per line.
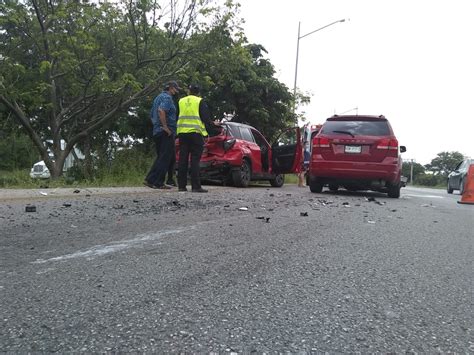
x=315, y=185
x=333, y=187
x=241, y=177
x=449, y=189
x=394, y=190
x=278, y=181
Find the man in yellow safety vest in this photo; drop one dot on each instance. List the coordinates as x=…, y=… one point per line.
x=193, y=117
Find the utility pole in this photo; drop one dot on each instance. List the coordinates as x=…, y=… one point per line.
x=298, y=51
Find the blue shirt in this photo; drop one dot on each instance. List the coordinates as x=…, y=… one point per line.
x=163, y=101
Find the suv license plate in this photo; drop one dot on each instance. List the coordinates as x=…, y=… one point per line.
x=353, y=149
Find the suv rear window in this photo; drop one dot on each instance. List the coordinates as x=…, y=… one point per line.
x=357, y=128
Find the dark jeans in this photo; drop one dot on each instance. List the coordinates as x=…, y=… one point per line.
x=190, y=144
x=165, y=159
x=171, y=168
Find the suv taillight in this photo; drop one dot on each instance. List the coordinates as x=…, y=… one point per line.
x=388, y=144
x=320, y=142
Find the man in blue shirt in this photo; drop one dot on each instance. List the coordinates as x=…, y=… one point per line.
x=163, y=117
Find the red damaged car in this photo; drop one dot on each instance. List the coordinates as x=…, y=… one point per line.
x=239, y=154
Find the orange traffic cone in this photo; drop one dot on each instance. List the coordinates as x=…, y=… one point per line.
x=468, y=193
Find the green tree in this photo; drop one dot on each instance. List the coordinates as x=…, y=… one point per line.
x=418, y=169
x=238, y=79
x=444, y=163
x=16, y=149
x=67, y=68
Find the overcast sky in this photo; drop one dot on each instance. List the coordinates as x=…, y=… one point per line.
x=410, y=60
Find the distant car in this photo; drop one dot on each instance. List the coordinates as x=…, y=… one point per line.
x=457, y=178
x=357, y=153
x=239, y=154
x=40, y=171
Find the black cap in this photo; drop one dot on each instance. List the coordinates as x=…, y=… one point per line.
x=172, y=84
x=194, y=88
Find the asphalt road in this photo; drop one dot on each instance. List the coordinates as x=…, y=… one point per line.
x=235, y=270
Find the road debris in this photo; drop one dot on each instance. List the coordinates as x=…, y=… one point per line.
x=243, y=209
x=304, y=214
x=372, y=199
x=427, y=205
x=325, y=202
x=29, y=208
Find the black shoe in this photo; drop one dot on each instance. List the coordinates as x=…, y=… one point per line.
x=151, y=186
x=163, y=187
x=171, y=183
x=199, y=190
x=182, y=189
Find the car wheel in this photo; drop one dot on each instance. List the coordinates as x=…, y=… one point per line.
x=241, y=177
x=315, y=185
x=449, y=189
x=333, y=188
x=394, y=190
x=278, y=181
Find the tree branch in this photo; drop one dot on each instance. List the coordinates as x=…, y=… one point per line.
x=13, y=107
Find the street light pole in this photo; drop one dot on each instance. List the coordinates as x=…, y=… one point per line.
x=298, y=51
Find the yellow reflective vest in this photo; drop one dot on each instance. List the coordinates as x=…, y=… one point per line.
x=189, y=120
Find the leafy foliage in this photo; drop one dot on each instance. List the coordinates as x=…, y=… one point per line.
x=68, y=67
x=237, y=79
x=444, y=163
x=418, y=170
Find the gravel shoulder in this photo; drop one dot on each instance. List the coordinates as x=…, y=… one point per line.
x=34, y=194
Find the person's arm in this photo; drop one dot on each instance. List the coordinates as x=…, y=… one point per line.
x=164, y=123
x=163, y=108
x=204, y=113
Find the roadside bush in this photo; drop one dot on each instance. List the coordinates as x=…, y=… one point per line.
x=128, y=167
x=430, y=180
x=17, y=179
x=75, y=173
x=6, y=181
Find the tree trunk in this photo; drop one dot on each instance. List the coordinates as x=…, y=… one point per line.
x=88, y=164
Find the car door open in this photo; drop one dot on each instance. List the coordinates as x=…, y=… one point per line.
x=287, y=152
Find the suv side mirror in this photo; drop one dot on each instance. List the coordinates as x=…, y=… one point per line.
x=403, y=149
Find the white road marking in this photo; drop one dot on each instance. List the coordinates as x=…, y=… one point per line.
x=100, y=250
x=426, y=196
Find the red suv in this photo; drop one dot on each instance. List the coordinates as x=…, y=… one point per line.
x=357, y=153
x=239, y=154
